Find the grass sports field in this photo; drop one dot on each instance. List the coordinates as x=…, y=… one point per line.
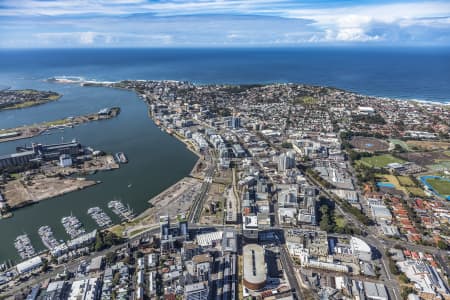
x=405, y=181
x=380, y=161
x=442, y=186
x=402, y=183
x=417, y=192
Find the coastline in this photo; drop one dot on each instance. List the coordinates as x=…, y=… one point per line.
x=93, y=83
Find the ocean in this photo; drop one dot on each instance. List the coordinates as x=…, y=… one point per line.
x=405, y=73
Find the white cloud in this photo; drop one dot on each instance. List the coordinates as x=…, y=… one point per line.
x=87, y=38
x=215, y=22
x=354, y=34
x=354, y=23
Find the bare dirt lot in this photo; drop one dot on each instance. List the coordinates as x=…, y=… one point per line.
x=424, y=158
x=216, y=196
x=53, y=181
x=369, y=144
x=429, y=145
x=19, y=192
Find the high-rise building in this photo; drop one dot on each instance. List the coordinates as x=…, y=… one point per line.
x=164, y=225
x=286, y=161
x=233, y=122
x=182, y=226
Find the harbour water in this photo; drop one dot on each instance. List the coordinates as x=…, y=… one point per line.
x=157, y=160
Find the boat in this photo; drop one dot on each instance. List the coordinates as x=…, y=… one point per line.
x=73, y=226
x=99, y=216
x=47, y=237
x=6, y=215
x=123, y=212
x=23, y=245
x=121, y=158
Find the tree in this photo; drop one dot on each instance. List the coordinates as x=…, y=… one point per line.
x=324, y=209
x=393, y=267
x=326, y=223
x=116, y=279
x=403, y=278
x=99, y=245
x=111, y=257
x=286, y=145
x=442, y=245
x=45, y=266
x=406, y=291
x=398, y=148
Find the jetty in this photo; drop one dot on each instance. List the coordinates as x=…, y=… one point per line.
x=123, y=212
x=73, y=226
x=99, y=216
x=47, y=237
x=24, y=247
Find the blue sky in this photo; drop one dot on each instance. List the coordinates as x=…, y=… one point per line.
x=222, y=23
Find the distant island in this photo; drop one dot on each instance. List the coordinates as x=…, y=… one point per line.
x=14, y=99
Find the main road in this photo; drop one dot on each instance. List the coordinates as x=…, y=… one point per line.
x=371, y=238
x=197, y=205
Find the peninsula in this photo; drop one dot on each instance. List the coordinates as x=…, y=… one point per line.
x=14, y=99
x=38, y=172
x=28, y=131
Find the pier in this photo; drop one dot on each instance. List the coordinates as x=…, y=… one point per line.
x=47, y=237
x=123, y=212
x=99, y=216
x=73, y=226
x=24, y=246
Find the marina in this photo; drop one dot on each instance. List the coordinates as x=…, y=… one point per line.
x=149, y=151
x=47, y=237
x=73, y=226
x=123, y=212
x=99, y=216
x=24, y=247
